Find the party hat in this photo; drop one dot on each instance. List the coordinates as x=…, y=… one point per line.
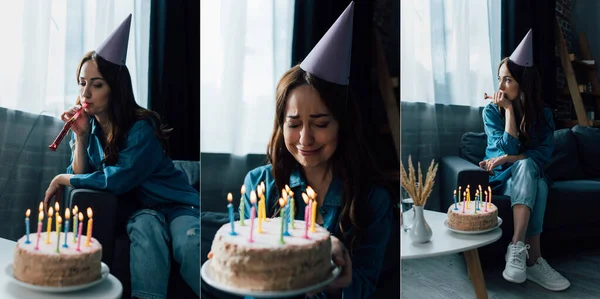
x=523, y=54
x=114, y=48
x=330, y=58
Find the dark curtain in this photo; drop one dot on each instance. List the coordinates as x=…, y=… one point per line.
x=174, y=73
x=518, y=16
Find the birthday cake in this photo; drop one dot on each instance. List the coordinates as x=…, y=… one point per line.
x=265, y=264
x=45, y=266
x=472, y=216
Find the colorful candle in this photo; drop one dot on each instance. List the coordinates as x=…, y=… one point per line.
x=292, y=209
x=306, y=212
x=314, y=216
x=27, y=226
x=50, y=213
x=476, y=200
x=490, y=194
x=286, y=213
x=263, y=201
x=39, y=230
x=252, y=214
x=486, y=199
x=464, y=200
x=58, y=222
x=79, y=233
x=259, y=216
x=230, y=208
x=281, y=204
x=242, y=211
x=455, y=208
x=75, y=211
x=459, y=193
x=89, y=226
x=56, y=211
x=67, y=217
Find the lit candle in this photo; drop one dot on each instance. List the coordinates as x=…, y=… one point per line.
x=259, y=216
x=292, y=209
x=58, y=222
x=75, y=211
x=490, y=194
x=475, y=203
x=459, y=193
x=468, y=196
x=56, y=210
x=252, y=214
x=27, y=213
x=476, y=200
x=263, y=201
x=464, y=200
x=89, y=226
x=50, y=213
x=306, y=212
x=455, y=208
x=286, y=214
x=486, y=199
x=79, y=233
x=242, y=211
x=39, y=230
x=67, y=217
x=281, y=204
x=230, y=208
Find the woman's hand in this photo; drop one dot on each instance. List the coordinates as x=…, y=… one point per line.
x=55, y=188
x=501, y=100
x=490, y=164
x=340, y=257
x=81, y=126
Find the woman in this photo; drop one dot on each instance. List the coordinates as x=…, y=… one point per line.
x=117, y=146
x=520, y=142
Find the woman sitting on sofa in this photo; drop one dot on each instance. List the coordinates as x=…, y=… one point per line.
x=117, y=146
x=520, y=142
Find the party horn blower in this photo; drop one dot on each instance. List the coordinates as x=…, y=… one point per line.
x=66, y=129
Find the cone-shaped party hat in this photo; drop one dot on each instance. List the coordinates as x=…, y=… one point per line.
x=523, y=54
x=330, y=58
x=114, y=48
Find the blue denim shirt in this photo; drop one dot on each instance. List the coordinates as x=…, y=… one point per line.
x=368, y=257
x=142, y=162
x=499, y=143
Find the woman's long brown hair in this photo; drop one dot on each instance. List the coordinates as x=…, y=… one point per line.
x=530, y=104
x=122, y=109
x=351, y=162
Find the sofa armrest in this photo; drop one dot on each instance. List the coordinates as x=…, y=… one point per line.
x=104, y=206
x=456, y=171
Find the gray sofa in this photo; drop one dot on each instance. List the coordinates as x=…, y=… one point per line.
x=571, y=220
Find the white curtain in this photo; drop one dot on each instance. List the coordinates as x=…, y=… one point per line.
x=245, y=49
x=450, y=50
x=43, y=41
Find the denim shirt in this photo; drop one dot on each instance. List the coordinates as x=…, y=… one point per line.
x=142, y=162
x=368, y=257
x=499, y=143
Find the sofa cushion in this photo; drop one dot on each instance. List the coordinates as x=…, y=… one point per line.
x=472, y=147
x=588, y=144
x=564, y=164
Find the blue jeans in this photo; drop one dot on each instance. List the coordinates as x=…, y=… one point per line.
x=154, y=236
x=528, y=188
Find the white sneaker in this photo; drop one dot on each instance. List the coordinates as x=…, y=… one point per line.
x=542, y=274
x=516, y=256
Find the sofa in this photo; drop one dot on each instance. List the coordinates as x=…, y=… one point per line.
x=571, y=219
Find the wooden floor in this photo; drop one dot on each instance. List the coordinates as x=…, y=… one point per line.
x=446, y=278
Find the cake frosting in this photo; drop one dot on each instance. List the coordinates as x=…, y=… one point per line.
x=468, y=219
x=267, y=265
x=46, y=267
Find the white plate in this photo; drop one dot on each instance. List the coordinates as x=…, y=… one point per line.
x=207, y=275
x=476, y=232
x=48, y=289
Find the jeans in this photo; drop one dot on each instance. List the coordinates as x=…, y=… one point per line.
x=528, y=188
x=154, y=236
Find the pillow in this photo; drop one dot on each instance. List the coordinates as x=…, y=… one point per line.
x=564, y=163
x=472, y=147
x=588, y=145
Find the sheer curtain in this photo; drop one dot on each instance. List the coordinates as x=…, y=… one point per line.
x=43, y=41
x=245, y=49
x=449, y=54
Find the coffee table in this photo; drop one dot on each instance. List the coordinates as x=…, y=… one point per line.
x=444, y=242
x=110, y=288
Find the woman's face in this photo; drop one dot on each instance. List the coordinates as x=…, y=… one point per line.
x=93, y=89
x=507, y=83
x=310, y=132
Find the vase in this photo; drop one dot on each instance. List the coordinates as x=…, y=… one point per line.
x=420, y=232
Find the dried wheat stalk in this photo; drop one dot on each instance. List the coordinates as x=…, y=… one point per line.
x=419, y=191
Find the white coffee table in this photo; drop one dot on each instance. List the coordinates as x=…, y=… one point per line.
x=110, y=288
x=444, y=242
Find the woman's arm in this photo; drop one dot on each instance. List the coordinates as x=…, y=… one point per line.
x=499, y=139
x=510, y=125
x=79, y=158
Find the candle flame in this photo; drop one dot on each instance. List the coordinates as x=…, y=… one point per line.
x=485, y=192
x=243, y=189
x=262, y=185
x=281, y=202
x=56, y=206
x=479, y=186
x=284, y=193
x=80, y=216
x=454, y=192
x=305, y=197
x=229, y=197
x=75, y=210
x=41, y=208
x=50, y=212
x=287, y=188
x=464, y=193
x=67, y=214
x=252, y=196
x=310, y=192
x=41, y=215
x=468, y=186
x=89, y=212
x=58, y=219
x=28, y=213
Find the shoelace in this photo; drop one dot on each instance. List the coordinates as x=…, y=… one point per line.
x=516, y=252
